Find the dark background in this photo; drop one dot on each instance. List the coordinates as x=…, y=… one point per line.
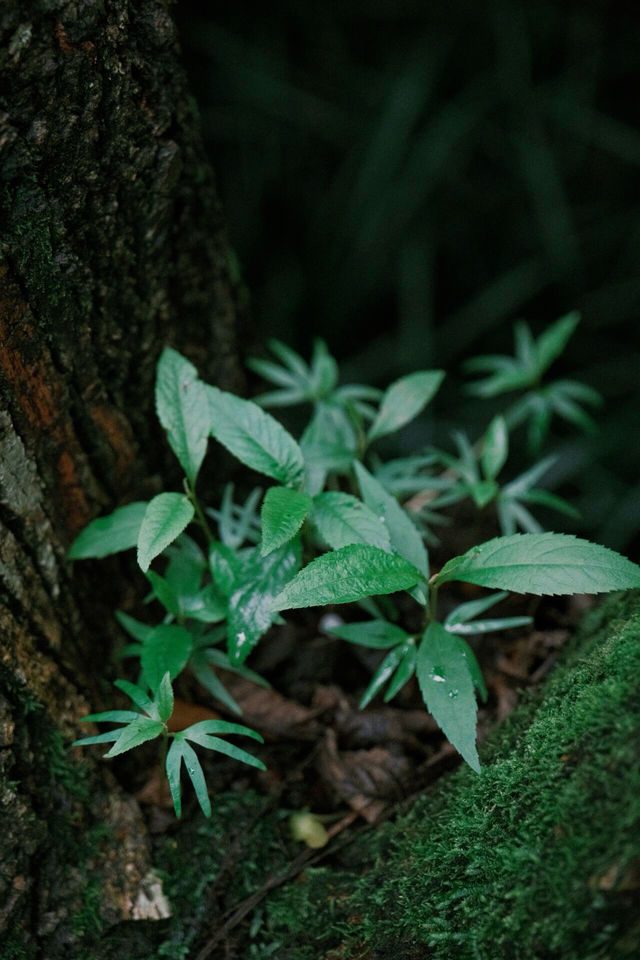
x=405, y=178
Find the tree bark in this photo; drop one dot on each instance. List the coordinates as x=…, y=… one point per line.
x=112, y=245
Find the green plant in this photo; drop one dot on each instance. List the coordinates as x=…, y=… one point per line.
x=317, y=543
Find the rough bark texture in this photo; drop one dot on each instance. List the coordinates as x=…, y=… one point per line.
x=111, y=245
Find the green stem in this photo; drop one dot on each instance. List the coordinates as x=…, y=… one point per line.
x=202, y=520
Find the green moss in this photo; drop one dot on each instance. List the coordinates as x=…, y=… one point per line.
x=196, y=858
x=529, y=860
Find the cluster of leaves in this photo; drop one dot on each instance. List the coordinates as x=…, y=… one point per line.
x=233, y=584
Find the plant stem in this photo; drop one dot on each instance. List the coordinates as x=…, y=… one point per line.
x=202, y=520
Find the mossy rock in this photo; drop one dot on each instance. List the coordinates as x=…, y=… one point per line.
x=536, y=858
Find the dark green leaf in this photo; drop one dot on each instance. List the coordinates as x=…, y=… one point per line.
x=165, y=518
x=164, y=698
x=255, y=438
x=196, y=776
x=348, y=574
x=181, y=404
x=251, y=610
x=166, y=649
x=446, y=684
x=211, y=682
x=113, y=716
x=173, y=764
x=225, y=566
x=283, y=513
x=111, y=534
x=136, y=629
x=228, y=749
x=186, y=566
x=163, y=592
x=208, y=605
x=543, y=563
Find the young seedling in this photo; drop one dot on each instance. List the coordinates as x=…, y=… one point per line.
x=231, y=580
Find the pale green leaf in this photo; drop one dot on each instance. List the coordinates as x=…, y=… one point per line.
x=228, y=749
x=495, y=448
x=113, y=716
x=254, y=437
x=166, y=649
x=382, y=674
x=165, y=518
x=138, y=695
x=111, y=534
x=403, y=674
x=109, y=737
x=466, y=611
x=543, y=563
x=283, y=513
x=403, y=534
x=342, y=519
x=183, y=411
x=378, y=634
x=554, y=339
x=404, y=400
x=475, y=627
x=208, y=605
x=446, y=685
x=348, y=574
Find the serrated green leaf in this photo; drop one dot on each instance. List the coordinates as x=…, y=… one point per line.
x=111, y=534
x=446, y=685
x=283, y=513
x=166, y=649
x=251, y=610
x=543, y=563
x=404, y=400
x=495, y=448
x=164, y=698
x=348, y=574
x=255, y=438
x=377, y=634
x=181, y=405
x=342, y=519
x=165, y=518
x=135, y=733
x=403, y=534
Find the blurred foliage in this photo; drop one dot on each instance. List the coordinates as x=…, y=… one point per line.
x=405, y=179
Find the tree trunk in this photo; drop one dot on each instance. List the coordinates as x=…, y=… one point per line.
x=111, y=246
